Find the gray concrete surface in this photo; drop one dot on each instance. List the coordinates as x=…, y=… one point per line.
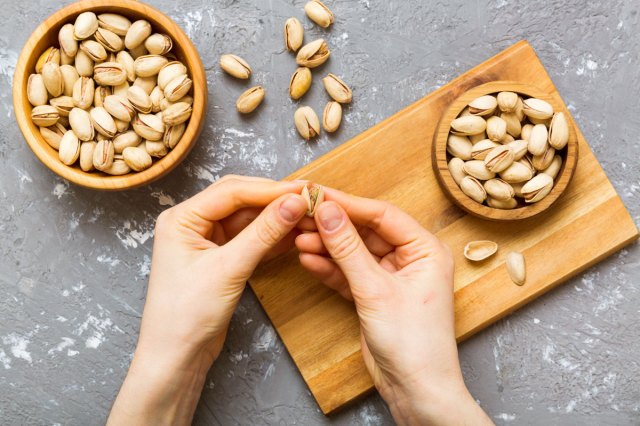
x=74, y=262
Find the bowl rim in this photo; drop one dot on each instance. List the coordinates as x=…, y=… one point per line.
x=451, y=188
x=100, y=181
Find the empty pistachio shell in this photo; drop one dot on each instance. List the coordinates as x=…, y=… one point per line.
x=300, y=83
x=516, y=267
x=64, y=105
x=537, y=188
x=519, y=148
x=119, y=107
x=293, y=34
x=84, y=64
x=149, y=127
x=499, y=158
x=69, y=76
x=86, y=24
x=147, y=83
x=68, y=44
x=319, y=13
x=473, y=189
x=456, y=168
x=102, y=122
x=516, y=173
x=69, y=148
x=170, y=71
x=478, y=169
x=126, y=139
x=537, y=108
x=468, y=125
x=459, y=146
x=137, y=34
x=176, y=114
x=137, y=158
x=247, y=101
x=86, y=155
x=526, y=132
x=115, y=23
x=177, y=88
x=538, y=139
x=83, y=92
x=44, y=115
x=149, y=65
x=155, y=149
x=80, y=122
x=484, y=105
x=313, y=54
x=480, y=149
x=542, y=161
x=109, y=40
x=94, y=50
x=509, y=204
x=554, y=167
x=36, y=90
x=158, y=44
x=103, y=155
x=52, y=78
x=496, y=128
x=235, y=66
x=337, y=89
x=332, y=116
x=507, y=101
x=480, y=250
x=314, y=196
x=558, y=131
x=173, y=135
x=499, y=189
x=307, y=122
x=52, y=54
x=53, y=134
x=139, y=99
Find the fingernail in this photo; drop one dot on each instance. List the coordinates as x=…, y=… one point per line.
x=330, y=216
x=292, y=209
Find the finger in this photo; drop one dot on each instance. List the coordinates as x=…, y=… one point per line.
x=307, y=224
x=326, y=272
x=374, y=242
x=253, y=243
x=284, y=245
x=312, y=243
x=239, y=220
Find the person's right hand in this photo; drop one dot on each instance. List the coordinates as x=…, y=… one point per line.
x=400, y=277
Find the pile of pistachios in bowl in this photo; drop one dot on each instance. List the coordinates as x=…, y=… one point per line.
x=505, y=150
x=308, y=56
x=111, y=96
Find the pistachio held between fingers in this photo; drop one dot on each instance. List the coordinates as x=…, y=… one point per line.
x=313, y=194
x=248, y=101
x=307, y=122
x=235, y=66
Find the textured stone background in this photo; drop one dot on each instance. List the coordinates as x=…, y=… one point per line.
x=74, y=263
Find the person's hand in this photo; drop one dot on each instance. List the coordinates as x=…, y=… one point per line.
x=205, y=249
x=400, y=277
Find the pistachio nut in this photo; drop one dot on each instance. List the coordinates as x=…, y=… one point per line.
x=558, y=131
x=235, y=66
x=118, y=168
x=139, y=99
x=313, y=54
x=507, y=139
x=535, y=121
x=499, y=158
x=246, y=103
x=526, y=132
x=81, y=124
x=307, y=122
x=473, y=189
x=474, y=139
x=64, y=105
x=516, y=173
x=69, y=77
x=319, y=13
x=137, y=34
x=293, y=34
x=517, y=188
x=537, y=109
x=100, y=94
x=332, y=116
x=537, y=188
x=538, y=139
x=36, y=90
x=64, y=122
x=514, y=127
x=158, y=44
x=138, y=51
x=125, y=140
x=496, y=128
x=102, y=122
x=465, y=111
x=516, y=268
x=499, y=190
x=119, y=107
x=507, y=101
x=519, y=111
x=121, y=126
x=109, y=74
x=477, y=251
x=44, y=115
x=121, y=89
x=459, y=146
x=52, y=135
x=554, y=167
x=300, y=83
x=155, y=149
x=69, y=148
x=480, y=149
x=68, y=44
x=176, y=114
x=137, y=158
x=478, y=169
x=156, y=96
x=173, y=135
x=519, y=148
x=337, y=89
x=542, y=161
x=94, y=50
x=117, y=24
x=149, y=127
x=83, y=92
x=170, y=71
x=109, y=40
x=165, y=103
x=84, y=64
x=127, y=62
x=147, y=83
x=456, y=168
x=85, y=26
x=52, y=54
x=52, y=78
x=66, y=59
x=313, y=194
x=509, y=204
x=86, y=155
x=149, y=65
x=484, y=105
x=468, y=125
x=527, y=161
x=177, y=88
x=103, y=155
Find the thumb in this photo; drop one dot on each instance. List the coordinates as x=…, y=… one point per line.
x=345, y=246
x=255, y=241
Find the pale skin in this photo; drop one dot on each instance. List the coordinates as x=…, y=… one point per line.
x=399, y=276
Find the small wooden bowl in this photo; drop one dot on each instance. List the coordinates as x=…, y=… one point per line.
x=440, y=156
x=47, y=35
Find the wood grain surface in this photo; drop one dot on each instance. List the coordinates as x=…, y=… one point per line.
x=392, y=161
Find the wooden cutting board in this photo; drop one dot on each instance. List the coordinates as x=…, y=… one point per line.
x=392, y=161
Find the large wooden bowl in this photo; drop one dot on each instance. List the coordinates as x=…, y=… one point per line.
x=47, y=35
x=440, y=157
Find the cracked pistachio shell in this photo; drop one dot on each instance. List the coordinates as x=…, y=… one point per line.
x=300, y=83
x=119, y=107
x=139, y=99
x=337, y=89
x=247, y=102
x=332, y=116
x=480, y=149
x=127, y=62
x=147, y=83
x=69, y=77
x=484, y=105
x=83, y=92
x=109, y=74
x=155, y=149
x=103, y=155
x=86, y=155
x=125, y=140
x=69, y=148
x=307, y=122
x=178, y=87
x=94, y=50
x=456, y=168
x=313, y=194
x=165, y=103
x=498, y=189
x=459, y=146
x=109, y=40
x=81, y=124
x=117, y=24
x=478, y=169
x=137, y=34
x=236, y=66
x=84, y=64
x=68, y=44
x=537, y=188
x=558, y=131
x=100, y=94
x=156, y=96
x=519, y=148
x=85, y=26
x=468, y=125
x=554, y=167
x=36, y=90
x=313, y=54
x=509, y=204
x=526, y=132
x=473, y=189
x=496, y=128
x=103, y=122
x=170, y=71
x=516, y=173
x=158, y=44
x=64, y=105
x=44, y=115
x=516, y=267
x=118, y=168
x=542, y=161
x=507, y=101
x=499, y=158
x=53, y=135
x=52, y=78
x=176, y=114
x=538, y=139
x=537, y=109
x=149, y=65
x=149, y=127
x=52, y=54
x=137, y=159
x=477, y=251
x=293, y=34
x=319, y=13
x=173, y=135
x=514, y=127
